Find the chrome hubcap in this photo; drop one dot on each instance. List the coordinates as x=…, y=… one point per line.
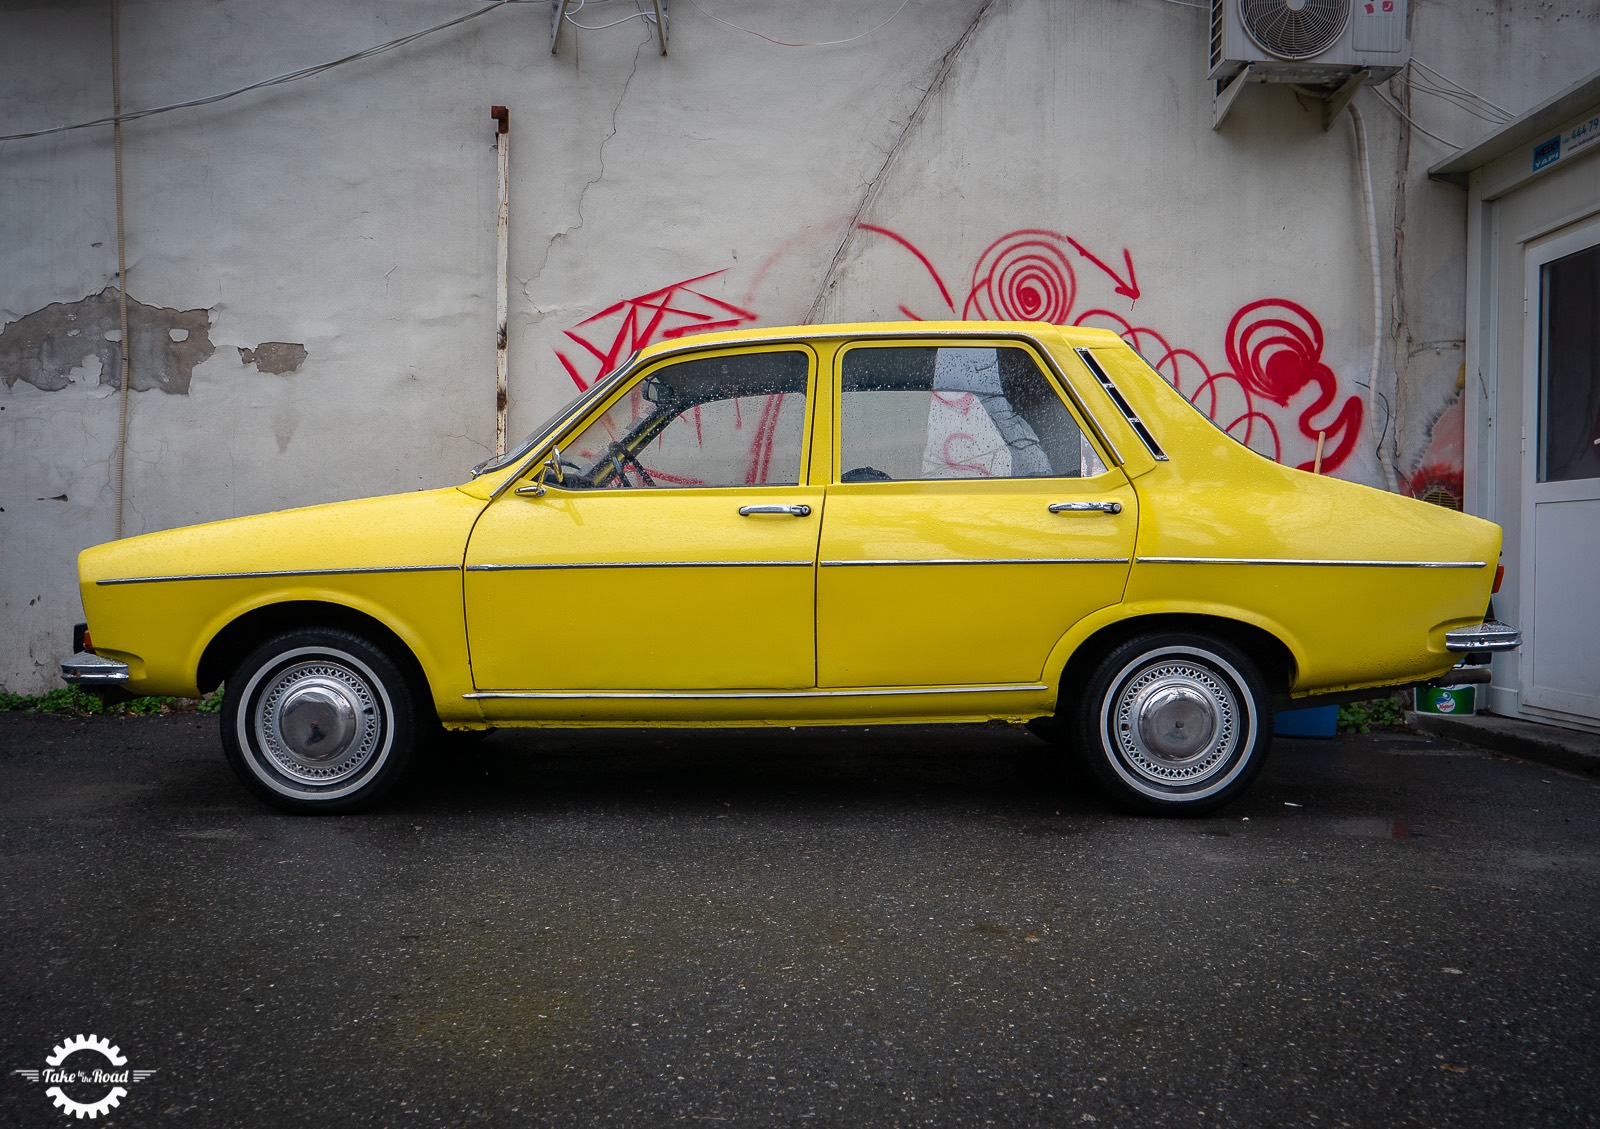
x=1175, y=722
x=318, y=721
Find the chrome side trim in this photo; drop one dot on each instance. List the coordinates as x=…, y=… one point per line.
x=280, y=573
x=542, y=567
x=699, y=695
x=1490, y=635
x=86, y=669
x=1307, y=561
x=978, y=561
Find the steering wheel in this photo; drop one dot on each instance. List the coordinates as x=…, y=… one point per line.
x=621, y=458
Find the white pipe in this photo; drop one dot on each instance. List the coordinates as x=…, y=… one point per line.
x=1384, y=463
x=125, y=367
x=502, y=250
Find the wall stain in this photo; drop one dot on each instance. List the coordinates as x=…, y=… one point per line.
x=276, y=357
x=44, y=347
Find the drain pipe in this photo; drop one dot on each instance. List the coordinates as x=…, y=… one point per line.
x=125, y=373
x=1386, y=464
x=502, y=141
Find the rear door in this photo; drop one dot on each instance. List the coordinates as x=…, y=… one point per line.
x=972, y=521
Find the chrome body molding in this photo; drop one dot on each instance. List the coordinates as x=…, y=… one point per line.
x=1307, y=561
x=977, y=561
x=86, y=669
x=723, y=695
x=543, y=566
x=278, y=573
x=1490, y=635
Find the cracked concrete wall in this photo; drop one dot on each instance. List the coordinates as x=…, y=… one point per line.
x=328, y=245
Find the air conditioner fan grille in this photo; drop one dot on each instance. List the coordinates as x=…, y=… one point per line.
x=1294, y=29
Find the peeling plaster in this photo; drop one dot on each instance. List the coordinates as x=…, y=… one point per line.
x=275, y=357
x=52, y=348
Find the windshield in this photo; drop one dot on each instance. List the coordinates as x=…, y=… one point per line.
x=542, y=432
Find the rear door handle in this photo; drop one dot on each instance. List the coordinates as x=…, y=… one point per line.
x=1085, y=507
x=786, y=511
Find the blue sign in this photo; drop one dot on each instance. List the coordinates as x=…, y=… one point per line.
x=1547, y=154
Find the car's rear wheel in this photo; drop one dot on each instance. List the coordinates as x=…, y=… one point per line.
x=1174, y=723
x=319, y=721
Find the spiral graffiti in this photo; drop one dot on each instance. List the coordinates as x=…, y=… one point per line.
x=1274, y=347
x=1023, y=276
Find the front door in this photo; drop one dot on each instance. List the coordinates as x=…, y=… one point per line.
x=972, y=523
x=1561, y=475
x=673, y=546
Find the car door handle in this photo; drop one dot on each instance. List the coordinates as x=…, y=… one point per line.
x=1085, y=507
x=786, y=511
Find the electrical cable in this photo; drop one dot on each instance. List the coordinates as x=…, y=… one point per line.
x=1410, y=121
x=781, y=43
x=291, y=76
x=1452, y=82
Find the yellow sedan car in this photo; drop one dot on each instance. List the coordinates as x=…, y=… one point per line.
x=824, y=525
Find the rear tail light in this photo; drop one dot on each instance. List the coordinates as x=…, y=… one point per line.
x=1499, y=575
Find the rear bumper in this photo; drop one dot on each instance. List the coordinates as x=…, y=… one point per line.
x=1490, y=635
x=85, y=669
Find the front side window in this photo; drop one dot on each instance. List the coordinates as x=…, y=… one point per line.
x=735, y=419
x=947, y=412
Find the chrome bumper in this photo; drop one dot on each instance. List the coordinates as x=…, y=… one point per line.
x=1490, y=635
x=85, y=669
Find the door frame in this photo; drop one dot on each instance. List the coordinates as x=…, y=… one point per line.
x=1567, y=240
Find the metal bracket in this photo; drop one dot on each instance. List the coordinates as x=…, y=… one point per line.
x=558, y=17
x=1340, y=97
x=1224, y=96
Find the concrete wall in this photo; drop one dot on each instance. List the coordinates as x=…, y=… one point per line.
x=311, y=266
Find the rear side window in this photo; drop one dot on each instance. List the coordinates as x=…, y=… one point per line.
x=931, y=412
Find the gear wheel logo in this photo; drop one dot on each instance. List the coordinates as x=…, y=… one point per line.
x=81, y=1076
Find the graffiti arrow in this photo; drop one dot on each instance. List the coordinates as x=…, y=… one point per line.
x=1130, y=288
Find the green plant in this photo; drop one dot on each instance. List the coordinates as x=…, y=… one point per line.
x=212, y=702
x=1364, y=717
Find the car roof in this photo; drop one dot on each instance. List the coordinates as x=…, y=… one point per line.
x=1071, y=335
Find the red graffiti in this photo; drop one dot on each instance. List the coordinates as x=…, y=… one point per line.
x=621, y=329
x=1130, y=288
x=1273, y=346
x=1023, y=276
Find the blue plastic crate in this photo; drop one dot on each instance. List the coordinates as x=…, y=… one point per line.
x=1315, y=721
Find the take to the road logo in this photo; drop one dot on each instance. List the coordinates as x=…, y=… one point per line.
x=86, y=1076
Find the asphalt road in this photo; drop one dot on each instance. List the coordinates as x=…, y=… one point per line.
x=838, y=927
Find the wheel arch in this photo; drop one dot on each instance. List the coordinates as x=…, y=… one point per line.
x=1271, y=655
x=250, y=630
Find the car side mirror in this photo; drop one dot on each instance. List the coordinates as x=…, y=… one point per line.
x=552, y=465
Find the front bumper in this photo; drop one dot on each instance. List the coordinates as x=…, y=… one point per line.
x=1490, y=635
x=85, y=669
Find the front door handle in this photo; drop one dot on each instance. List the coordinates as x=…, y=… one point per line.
x=1086, y=507
x=786, y=511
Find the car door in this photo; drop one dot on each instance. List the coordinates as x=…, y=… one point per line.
x=972, y=520
x=666, y=544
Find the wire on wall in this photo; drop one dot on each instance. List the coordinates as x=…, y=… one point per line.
x=781, y=43
x=118, y=116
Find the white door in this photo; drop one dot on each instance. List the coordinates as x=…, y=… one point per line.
x=1560, y=582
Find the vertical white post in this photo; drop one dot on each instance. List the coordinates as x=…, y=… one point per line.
x=502, y=248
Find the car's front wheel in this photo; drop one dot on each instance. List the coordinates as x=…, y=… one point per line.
x=319, y=721
x=1174, y=723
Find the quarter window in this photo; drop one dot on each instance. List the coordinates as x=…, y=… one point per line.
x=951, y=412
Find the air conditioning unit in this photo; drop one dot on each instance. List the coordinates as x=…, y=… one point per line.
x=1316, y=42
x=1334, y=45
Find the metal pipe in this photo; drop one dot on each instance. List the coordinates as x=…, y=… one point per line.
x=502, y=250
x=125, y=367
